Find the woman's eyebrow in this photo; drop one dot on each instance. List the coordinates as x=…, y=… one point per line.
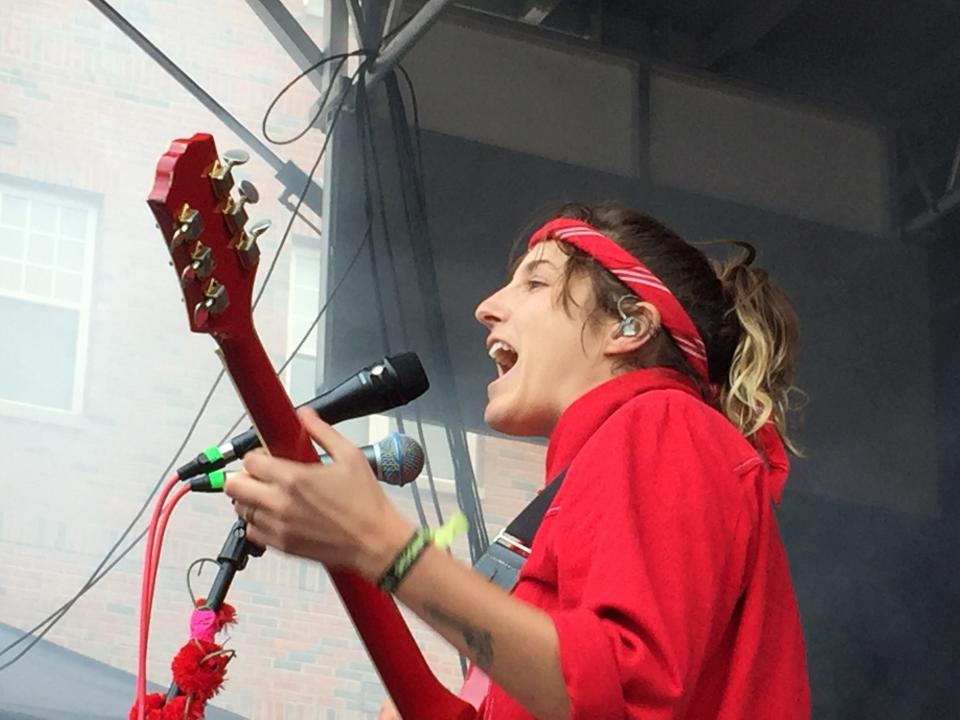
x=534, y=264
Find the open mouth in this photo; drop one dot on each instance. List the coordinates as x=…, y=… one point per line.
x=504, y=356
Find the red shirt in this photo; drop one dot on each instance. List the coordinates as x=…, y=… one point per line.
x=661, y=564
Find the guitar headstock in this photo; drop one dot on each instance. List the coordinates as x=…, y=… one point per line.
x=203, y=223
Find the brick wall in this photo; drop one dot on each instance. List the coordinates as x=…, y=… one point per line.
x=85, y=110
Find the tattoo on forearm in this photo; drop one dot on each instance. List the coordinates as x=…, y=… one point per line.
x=478, y=640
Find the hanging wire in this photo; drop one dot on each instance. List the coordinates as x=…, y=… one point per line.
x=105, y=565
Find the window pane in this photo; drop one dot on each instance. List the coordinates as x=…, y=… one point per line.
x=70, y=255
x=298, y=327
x=41, y=249
x=73, y=223
x=303, y=372
x=11, y=244
x=69, y=286
x=44, y=217
x=305, y=301
x=11, y=276
x=307, y=272
x=40, y=348
x=38, y=281
x=13, y=211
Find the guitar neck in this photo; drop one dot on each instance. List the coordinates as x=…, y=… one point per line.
x=411, y=684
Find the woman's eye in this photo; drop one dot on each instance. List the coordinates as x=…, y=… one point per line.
x=534, y=284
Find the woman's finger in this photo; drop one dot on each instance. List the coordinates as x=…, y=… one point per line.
x=271, y=469
x=248, y=491
x=335, y=444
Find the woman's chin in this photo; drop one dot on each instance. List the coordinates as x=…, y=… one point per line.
x=499, y=416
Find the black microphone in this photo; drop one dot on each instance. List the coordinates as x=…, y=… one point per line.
x=394, y=381
x=395, y=460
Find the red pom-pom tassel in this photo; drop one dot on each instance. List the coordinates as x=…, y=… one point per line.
x=199, y=668
x=154, y=705
x=226, y=615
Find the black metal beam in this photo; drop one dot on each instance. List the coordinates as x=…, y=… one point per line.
x=745, y=30
x=188, y=83
x=401, y=43
x=291, y=36
x=291, y=176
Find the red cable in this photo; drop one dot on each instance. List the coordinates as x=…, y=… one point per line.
x=146, y=591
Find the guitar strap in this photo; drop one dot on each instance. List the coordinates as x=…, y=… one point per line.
x=501, y=564
x=510, y=549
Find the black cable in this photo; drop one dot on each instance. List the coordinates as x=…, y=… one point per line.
x=467, y=492
x=364, y=125
x=466, y=486
x=321, y=106
x=434, y=496
x=306, y=189
x=53, y=618
x=363, y=112
x=416, y=120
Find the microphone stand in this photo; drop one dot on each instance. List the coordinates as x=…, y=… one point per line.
x=232, y=559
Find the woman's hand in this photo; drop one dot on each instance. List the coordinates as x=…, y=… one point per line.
x=337, y=513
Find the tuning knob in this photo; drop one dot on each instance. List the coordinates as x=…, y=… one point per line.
x=233, y=157
x=234, y=213
x=221, y=175
x=189, y=228
x=200, y=267
x=215, y=302
x=247, y=248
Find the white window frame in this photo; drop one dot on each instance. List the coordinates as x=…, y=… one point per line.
x=62, y=198
x=297, y=255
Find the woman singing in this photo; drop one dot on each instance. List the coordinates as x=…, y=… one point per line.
x=658, y=586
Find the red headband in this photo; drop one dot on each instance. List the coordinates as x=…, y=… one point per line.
x=636, y=276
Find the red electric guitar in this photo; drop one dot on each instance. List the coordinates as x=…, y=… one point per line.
x=216, y=258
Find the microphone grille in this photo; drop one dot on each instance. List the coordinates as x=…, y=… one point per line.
x=401, y=459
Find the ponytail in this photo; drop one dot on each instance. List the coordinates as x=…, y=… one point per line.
x=745, y=320
x=760, y=380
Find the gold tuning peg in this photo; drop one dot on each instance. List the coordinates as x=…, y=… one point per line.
x=215, y=302
x=189, y=228
x=221, y=175
x=200, y=267
x=234, y=212
x=247, y=248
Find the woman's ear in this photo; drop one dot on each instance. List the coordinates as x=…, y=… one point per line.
x=639, y=323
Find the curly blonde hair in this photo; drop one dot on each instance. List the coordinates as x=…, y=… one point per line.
x=746, y=321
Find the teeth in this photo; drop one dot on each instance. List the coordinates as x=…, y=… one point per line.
x=504, y=356
x=497, y=347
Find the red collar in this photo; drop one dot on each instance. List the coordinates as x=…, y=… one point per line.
x=587, y=413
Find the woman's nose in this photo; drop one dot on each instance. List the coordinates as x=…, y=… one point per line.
x=490, y=311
